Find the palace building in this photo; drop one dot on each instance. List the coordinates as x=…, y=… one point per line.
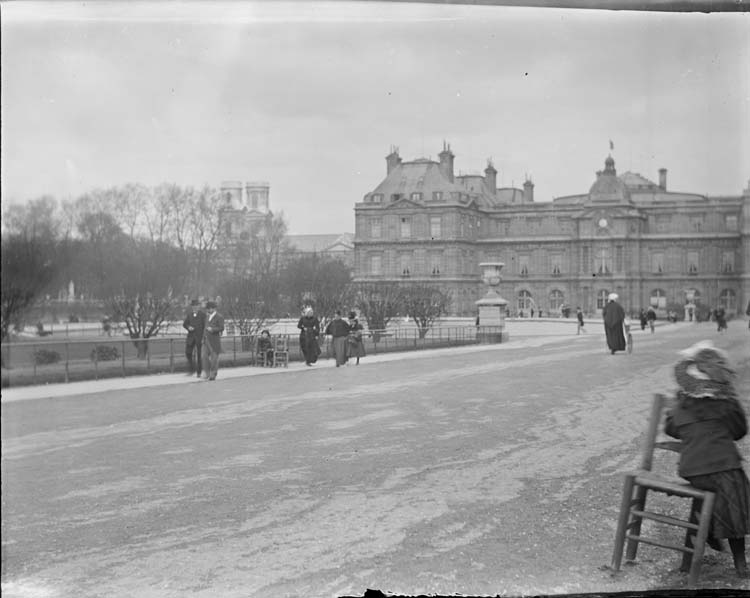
x=626, y=234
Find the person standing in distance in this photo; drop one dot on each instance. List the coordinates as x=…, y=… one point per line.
x=212, y=339
x=614, y=318
x=195, y=322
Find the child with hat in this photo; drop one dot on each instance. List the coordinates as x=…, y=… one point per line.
x=708, y=418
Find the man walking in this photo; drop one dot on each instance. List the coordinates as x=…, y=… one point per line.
x=212, y=339
x=194, y=323
x=339, y=330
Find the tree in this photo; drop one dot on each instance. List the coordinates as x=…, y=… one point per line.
x=424, y=303
x=248, y=303
x=379, y=304
x=28, y=268
x=318, y=281
x=144, y=315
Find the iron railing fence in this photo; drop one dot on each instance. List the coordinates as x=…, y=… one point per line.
x=56, y=360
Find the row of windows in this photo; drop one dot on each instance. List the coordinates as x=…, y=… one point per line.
x=692, y=263
x=556, y=299
x=695, y=223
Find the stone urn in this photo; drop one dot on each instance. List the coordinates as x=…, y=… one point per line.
x=491, y=308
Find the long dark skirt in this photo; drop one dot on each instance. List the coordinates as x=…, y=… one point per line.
x=731, y=518
x=308, y=344
x=615, y=337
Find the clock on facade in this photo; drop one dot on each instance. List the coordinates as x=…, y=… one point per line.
x=603, y=222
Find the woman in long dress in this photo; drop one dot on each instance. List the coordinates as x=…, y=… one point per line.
x=614, y=317
x=355, y=346
x=309, y=327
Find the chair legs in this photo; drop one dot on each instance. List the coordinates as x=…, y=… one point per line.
x=629, y=524
x=623, y=522
x=694, y=560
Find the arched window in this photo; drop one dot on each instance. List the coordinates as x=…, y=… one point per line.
x=728, y=300
x=601, y=298
x=556, y=299
x=525, y=301
x=658, y=298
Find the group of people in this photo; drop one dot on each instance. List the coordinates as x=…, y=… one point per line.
x=647, y=317
x=346, y=337
x=203, y=342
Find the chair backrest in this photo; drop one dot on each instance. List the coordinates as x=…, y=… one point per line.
x=652, y=431
x=281, y=343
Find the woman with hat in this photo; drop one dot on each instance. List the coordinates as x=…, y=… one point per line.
x=355, y=347
x=309, y=327
x=708, y=418
x=614, y=319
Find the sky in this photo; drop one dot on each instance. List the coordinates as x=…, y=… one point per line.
x=311, y=96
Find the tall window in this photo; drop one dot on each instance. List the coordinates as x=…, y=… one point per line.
x=435, y=227
x=601, y=298
x=657, y=263
x=727, y=262
x=662, y=223
x=730, y=221
x=556, y=264
x=523, y=265
x=619, y=258
x=254, y=201
x=696, y=223
x=376, y=225
x=435, y=261
x=603, y=261
x=405, y=227
x=728, y=300
x=658, y=298
x=376, y=265
x=692, y=262
x=556, y=299
x=404, y=264
x=524, y=301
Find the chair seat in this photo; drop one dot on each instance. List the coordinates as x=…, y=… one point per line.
x=672, y=486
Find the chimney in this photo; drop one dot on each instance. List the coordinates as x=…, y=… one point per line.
x=663, y=179
x=446, y=162
x=528, y=191
x=490, y=177
x=392, y=160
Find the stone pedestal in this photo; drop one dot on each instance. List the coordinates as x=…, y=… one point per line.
x=491, y=308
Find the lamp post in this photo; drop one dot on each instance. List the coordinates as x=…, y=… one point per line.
x=491, y=307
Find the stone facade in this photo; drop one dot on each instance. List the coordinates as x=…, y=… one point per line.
x=627, y=235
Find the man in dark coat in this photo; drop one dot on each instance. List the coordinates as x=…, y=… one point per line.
x=212, y=339
x=614, y=317
x=194, y=323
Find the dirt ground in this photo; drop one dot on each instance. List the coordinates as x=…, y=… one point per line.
x=476, y=471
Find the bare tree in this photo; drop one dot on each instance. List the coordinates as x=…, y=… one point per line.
x=318, y=281
x=28, y=268
x=144, y=315
x=379, y=304
x=424, y=304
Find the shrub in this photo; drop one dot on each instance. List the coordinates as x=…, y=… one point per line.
x=46, y=356
x=104, y=353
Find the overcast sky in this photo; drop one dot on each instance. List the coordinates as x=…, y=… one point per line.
x=310, y=97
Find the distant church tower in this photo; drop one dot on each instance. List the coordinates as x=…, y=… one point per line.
x=243, y=208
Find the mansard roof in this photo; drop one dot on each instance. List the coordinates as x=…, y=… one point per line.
x=419, y=176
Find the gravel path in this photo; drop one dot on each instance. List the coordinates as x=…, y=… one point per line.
x=482, y=472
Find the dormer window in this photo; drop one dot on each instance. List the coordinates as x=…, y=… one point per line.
x=377, y=198
x=437, y=196
x=416, y=196
x=395, y=197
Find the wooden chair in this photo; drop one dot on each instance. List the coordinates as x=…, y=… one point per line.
x=281, y=351
x=633, y=507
